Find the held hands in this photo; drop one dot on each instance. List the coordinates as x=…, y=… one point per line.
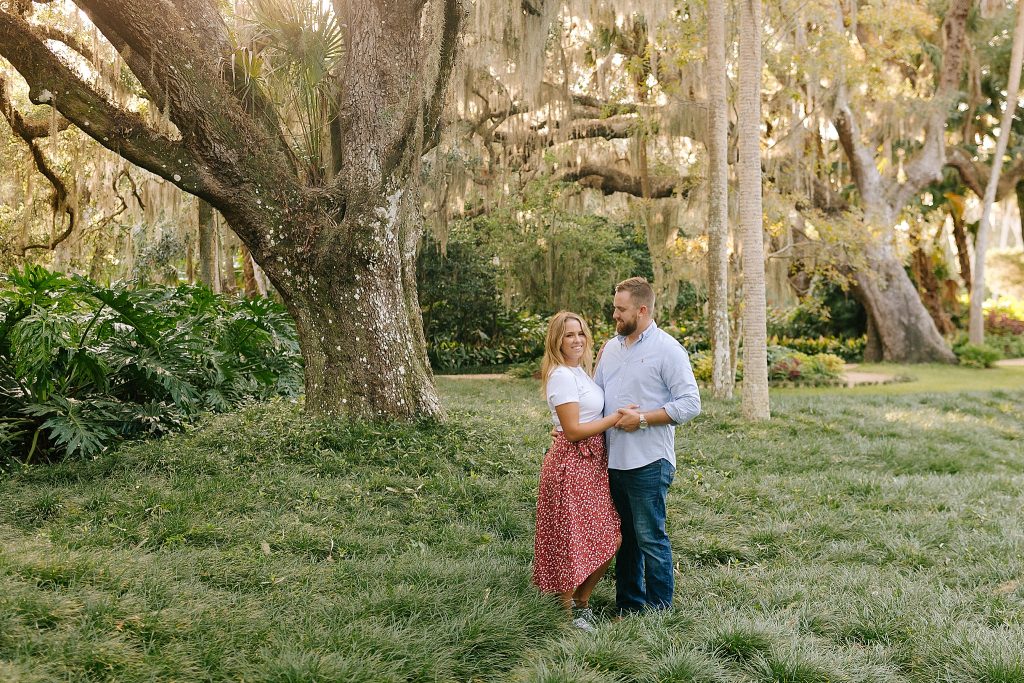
x=629, y=420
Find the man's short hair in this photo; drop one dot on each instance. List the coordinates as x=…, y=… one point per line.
x=640, y=291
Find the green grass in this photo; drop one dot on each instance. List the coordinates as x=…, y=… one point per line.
x=867, y=535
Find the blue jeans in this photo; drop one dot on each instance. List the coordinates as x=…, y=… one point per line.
x=643, y=568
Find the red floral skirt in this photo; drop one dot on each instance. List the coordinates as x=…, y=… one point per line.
x=577, y=526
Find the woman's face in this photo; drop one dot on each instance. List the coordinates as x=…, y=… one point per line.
x=573, y=341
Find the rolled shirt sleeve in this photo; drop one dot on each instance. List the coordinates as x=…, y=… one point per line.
x=678, y=377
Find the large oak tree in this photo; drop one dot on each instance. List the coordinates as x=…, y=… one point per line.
x=339, y=247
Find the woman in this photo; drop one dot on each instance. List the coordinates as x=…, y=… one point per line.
x=577, y=526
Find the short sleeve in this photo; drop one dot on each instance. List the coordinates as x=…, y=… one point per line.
x=562, y=387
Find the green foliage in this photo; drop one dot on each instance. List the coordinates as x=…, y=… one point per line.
x=784, y=365
x=458, y=290
x=550, y=258
x=487, y=296
x=977, y=355
x=850, y=349
x=82, y=366
x=828, y=312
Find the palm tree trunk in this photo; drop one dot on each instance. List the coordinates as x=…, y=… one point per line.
x=722, y=375
x=755, y=334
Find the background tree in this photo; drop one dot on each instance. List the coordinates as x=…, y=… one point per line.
x=755, y=356
x=339, y=250
x=722, y=374
x=976, y=328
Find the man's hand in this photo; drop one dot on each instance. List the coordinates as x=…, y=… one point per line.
x=630, y=420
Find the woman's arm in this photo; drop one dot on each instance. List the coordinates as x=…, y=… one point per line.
x=569, y=418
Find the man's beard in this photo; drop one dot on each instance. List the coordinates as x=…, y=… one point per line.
x=626, y=328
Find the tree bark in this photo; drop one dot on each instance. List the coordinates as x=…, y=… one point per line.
x=209, y=273
x=976, y=326
x=928, y=287
x=341, y=256
x=1019, y=189
x=754, y=402
x=722, y=375
x=956, y=213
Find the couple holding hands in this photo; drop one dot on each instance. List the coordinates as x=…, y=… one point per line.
x=604, y=481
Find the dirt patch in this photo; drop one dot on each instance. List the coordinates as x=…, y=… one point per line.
x=486, y=376
x=854, y=377
x=1010, y=363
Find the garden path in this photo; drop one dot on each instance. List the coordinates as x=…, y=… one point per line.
x=855, y=377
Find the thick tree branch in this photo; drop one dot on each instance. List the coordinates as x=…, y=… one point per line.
x=974, y=174
x=52, y=82
x=449, y=44
x=55, y=34
x=29, y=129
x=610, y=180
x=925, y=167
x=198, y=62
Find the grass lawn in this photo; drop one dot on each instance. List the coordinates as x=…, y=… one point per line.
x=871, y=535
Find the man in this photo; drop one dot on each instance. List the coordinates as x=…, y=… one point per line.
x=646, y=366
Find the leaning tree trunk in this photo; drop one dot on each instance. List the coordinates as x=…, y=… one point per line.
x=899, y=326
x=901, y=329
x=755, y=352
x=976, y=325
x=722, y=376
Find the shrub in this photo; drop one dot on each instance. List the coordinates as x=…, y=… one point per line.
x=848, y=349
x=784, y=365
x=1011, y=346
x=977, y=355
x=1000, y=324
x=82, y=366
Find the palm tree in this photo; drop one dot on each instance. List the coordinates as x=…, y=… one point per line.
x=722, y=376
x=755, y=336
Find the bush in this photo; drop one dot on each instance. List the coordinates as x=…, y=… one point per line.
x=784, y=365
x=519, y=338
x=850, y=349
x=977, y=355
x=1001, y=323
x=1011, y=346
x=83, y=366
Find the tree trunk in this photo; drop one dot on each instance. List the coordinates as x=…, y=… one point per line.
x=358, y=317
x=896, y=315
x=249, y=284
x=903, y=327
x=340, y=252
x=928, y=288
x=976, y=326
x=963, y=256
x=209, y=273
x=755, y=335
x=722, y=376
x=1019, y=189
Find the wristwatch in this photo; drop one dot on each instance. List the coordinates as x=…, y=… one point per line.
x=643, y=421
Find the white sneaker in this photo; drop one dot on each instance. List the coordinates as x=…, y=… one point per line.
x=583, y=619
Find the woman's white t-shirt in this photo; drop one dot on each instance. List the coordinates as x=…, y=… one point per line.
x=573, y=385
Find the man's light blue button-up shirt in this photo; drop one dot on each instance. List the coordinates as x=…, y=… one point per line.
x=654, y=372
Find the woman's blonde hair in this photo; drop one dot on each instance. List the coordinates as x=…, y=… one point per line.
x=553, y=346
